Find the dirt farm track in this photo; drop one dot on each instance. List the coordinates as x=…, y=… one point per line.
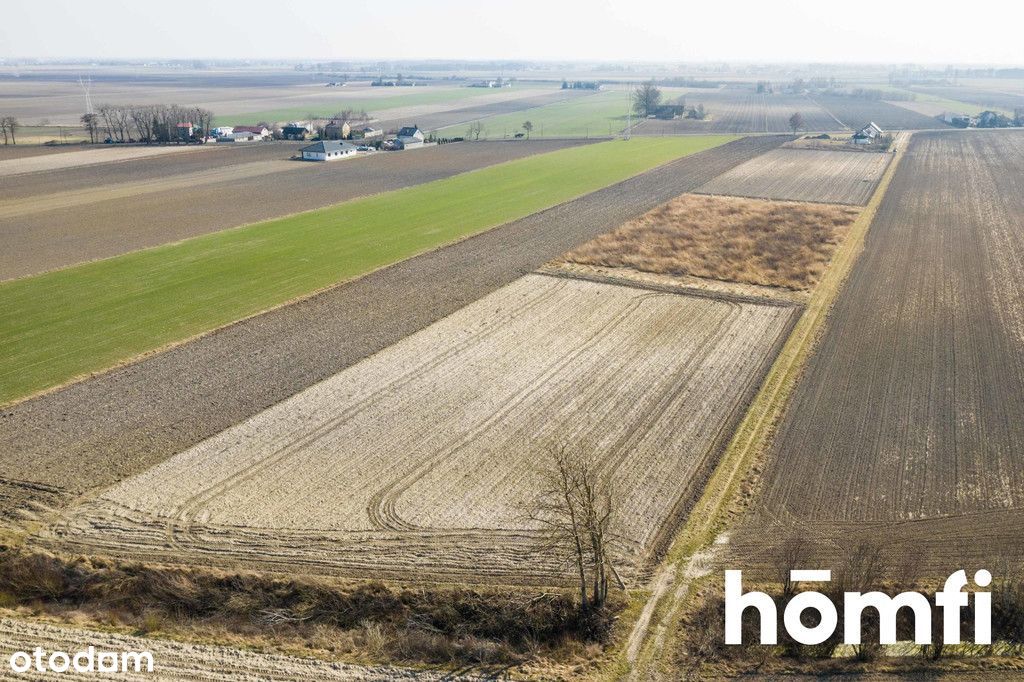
x=97, y=432
x=907, y=425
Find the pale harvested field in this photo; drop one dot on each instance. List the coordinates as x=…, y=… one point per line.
x=832, y=177
x=186, y=661
x=95, y=155
x=20, y=151
x=97, y=432
x=480, y=108
x=855, y=113
x=749, y=241
x=906, y=426
x=421, y=459
x=232, y=187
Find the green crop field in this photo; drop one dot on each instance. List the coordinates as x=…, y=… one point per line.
x=597, y=115
x=321, y=107
x=62, y=324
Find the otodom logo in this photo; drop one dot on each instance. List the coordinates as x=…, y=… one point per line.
x=88, y=661
x=950, y=599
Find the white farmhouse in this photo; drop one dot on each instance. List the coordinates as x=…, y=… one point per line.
x=410, y=137
x=328, y=150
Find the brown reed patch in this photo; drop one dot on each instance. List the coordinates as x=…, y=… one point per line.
x=771, y=243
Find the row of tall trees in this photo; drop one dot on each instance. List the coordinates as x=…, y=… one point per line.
x=147, y=123
x=9, y=127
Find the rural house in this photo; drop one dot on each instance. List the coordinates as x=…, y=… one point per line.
x=185, y=131
x=410, y=137
x=296, y=130
x=328, y=150
x=337, y=130
x=868, y=134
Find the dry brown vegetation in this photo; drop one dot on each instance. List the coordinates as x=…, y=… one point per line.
x=333, y=619
x=780, y=244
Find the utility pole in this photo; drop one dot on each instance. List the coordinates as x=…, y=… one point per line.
x=629, y=110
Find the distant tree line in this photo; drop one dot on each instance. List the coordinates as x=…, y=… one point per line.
x=147, y=123
x=581, y=85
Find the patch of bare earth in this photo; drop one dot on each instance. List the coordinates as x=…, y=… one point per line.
x=747, y=241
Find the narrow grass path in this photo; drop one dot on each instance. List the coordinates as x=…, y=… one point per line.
x=652, y=639
x=57, y=326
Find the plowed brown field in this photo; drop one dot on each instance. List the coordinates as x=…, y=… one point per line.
x=907, y=427
x=422, y=459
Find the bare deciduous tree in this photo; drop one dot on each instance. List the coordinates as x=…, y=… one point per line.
x=91, y=123
x=796, y=121
x=575, y=507
x=528, y=127
x=9, y=125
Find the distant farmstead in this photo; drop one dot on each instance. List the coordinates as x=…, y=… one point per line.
x=868, y=134
x=328, y=150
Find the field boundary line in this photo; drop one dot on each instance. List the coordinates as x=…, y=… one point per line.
x=679, y=290
x=719, y=504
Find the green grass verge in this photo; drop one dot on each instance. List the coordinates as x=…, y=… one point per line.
x=59, y=325
x=597, y=115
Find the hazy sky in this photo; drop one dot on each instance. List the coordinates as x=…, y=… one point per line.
x=676, y=30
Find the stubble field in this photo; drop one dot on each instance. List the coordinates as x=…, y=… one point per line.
x=906, y=427
x=423, y=459
x=835, y=177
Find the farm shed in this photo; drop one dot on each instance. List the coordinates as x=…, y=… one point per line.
x=328, y=150
x=366, y=132
x=410, y=137
x=259, y=132
x=668, y=111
